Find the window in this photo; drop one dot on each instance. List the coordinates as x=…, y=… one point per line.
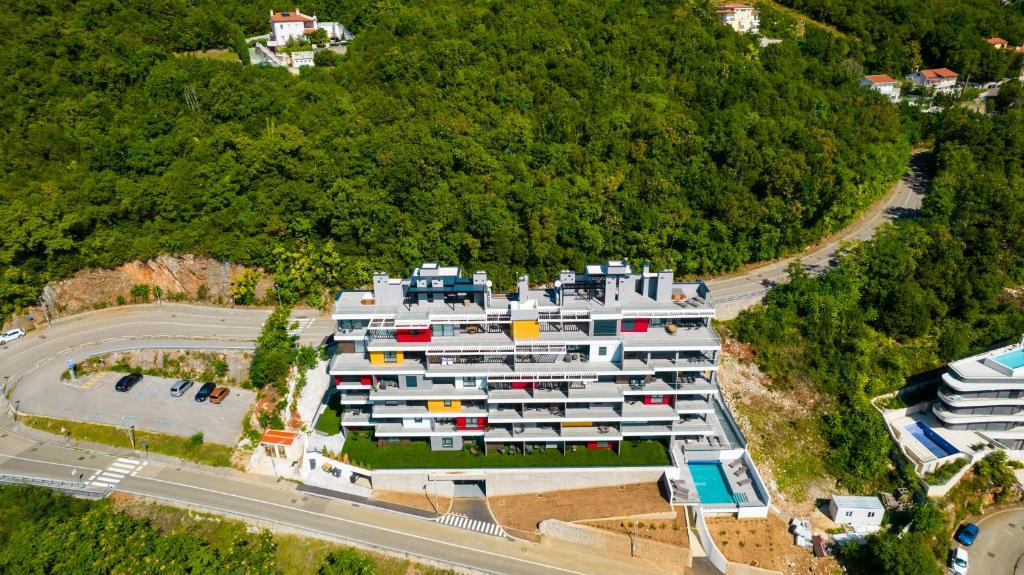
x=417, y=420
x=657, y=398
x=628, y=324
x=410, y=381
x=447, y=403
x=268, y=450
x=391, y=402
x=390, y=357
x=602, y=351
x=605, y=327
x=468, y=382
x=443, y=329
x=393, y=440
x=871, y=514
x=447, y=442
x=849, y=513
x=471, y=422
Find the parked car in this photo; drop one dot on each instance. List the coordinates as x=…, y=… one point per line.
x=958, y=561
x=219, y=394
x=967, y=534
x=180, y=387
x=205, y=391
x=127, y=382
x=11, y=335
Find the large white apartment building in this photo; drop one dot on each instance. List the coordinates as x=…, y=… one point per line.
x=985, y=393
x=602, y=356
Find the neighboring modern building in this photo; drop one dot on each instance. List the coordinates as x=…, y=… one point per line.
x=883, y=84
x=287, y=25
x=862, y=513
x=941, y=80
x=986, y=393
x=603, y=356
x=740, y=17
x=998, y=43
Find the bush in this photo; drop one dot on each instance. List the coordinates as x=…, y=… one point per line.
x=195, y=441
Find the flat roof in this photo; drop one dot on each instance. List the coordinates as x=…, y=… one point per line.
x=858, y=502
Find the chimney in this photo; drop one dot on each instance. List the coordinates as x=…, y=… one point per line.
x=663, y=287
x=523, y=287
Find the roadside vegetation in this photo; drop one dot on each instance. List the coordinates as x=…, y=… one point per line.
x=188, y=364
x=45, y=532
x=193, y=448
x=362, y=450
x=526, y=137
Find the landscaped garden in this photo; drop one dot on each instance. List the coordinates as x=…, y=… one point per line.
x=329, y=421
x=362, y=451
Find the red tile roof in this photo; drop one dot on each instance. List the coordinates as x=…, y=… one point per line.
x=880, y=79
x=997, y=41
x=727, y=8
x=278, y=437
x=938, y=73
x=290, y=17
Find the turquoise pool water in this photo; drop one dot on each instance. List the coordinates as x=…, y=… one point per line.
x=711, y=483
x=1012, y=360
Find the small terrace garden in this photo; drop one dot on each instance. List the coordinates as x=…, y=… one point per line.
x=362, y=451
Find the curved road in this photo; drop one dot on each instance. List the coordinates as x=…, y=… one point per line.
x=734, y=293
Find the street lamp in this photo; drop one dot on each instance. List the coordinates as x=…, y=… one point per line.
x=17, y=402
x=131, y=430
x=46, y=311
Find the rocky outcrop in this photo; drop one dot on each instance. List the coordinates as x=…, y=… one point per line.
x=182, y=278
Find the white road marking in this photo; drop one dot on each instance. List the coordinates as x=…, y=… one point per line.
x=463, y=522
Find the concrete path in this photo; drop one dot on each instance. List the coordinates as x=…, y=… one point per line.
x=735, y=292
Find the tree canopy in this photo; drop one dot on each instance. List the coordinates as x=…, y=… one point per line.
x=511, y=137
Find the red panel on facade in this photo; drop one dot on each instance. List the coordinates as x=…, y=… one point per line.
x=460, y=423
x=651, y=400
x=522, y=385
x=366, y=380
x=337, y=380
x=598, y=445
x=412, y=335
x=639, y=325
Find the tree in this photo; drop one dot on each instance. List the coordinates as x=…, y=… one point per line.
x=347, y=562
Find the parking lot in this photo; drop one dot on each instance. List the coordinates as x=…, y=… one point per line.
x=148, y=406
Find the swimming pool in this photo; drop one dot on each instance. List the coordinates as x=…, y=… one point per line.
x=936, y=444
x=1012, y=360
x=711, y=483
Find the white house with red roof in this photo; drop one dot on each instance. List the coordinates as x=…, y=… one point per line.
x=742, y=18
x=998, y=43
x=287, y=25
x=883, y=84
x=941, y=80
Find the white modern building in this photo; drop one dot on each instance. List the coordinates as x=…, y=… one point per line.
x=940, y=80
x=742, y=18
x=863, y=514
x=883, y=84
x=985, y=393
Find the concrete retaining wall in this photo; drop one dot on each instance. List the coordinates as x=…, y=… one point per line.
x=615, y=542
x=518, y=481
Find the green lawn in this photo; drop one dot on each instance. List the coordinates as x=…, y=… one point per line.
x=173, y=445
x=363, y=451
x=329, y=421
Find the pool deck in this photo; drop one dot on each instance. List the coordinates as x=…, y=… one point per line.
x=962, y=440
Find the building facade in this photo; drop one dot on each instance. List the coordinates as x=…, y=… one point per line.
x=740, y=17
x=285, y=26
x=883, y=84
x=986, y=393
x=603, y=356
x=941, y=80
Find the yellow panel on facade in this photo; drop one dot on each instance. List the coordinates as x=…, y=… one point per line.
x=376, y=357
x=440, y=406
x=578, y=424
x=525, y=329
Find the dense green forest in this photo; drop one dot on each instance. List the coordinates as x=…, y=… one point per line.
x=899, y=36
x=512, y=137
x=917, y=295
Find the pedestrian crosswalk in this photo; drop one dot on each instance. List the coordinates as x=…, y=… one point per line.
x=303, y=323
x=116, y=471
x=462, y=522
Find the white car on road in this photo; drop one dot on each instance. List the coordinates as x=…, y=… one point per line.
x=958, y=561
x=11, y=335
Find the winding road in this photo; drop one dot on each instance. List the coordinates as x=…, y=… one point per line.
x=30, y=368
x=736, y=292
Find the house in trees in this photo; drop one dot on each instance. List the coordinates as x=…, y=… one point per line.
x=285, y=26
x=740, y=17
x=883, y=84
x=940, y=80
x=998, y=43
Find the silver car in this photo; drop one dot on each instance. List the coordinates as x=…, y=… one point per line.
x=180, y=387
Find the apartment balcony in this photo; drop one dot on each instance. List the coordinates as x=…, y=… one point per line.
x=552, y=370
x=421, y=411
x=555, y=393
x=437, y=391
x=689, y=385
x=684, y=338
x=435, y=429
x=682, y=364
x=637, y=411
x=694, y=406
x=956, y=400
x=353, y=398
x=984, y=384
x=525, y=434
x=950, y=418
x=671, y=429
x=356, y=364
x=355, y=417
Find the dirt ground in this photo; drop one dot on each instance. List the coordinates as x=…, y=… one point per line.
x=415, y=500
x=672, y=532
x=766, y=543
x=781, y=427
x=524, y=512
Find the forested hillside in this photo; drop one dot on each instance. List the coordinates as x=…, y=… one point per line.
x=902, y=35
x=512, y=137
x=916, y=296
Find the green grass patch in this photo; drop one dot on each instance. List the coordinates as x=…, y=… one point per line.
x=174, y=445
x=329, y=421
x=363, y=451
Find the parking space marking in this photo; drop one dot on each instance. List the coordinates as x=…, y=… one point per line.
x=92, y=380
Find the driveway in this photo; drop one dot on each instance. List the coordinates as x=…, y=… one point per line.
x=1000, y=544
x=148, y=405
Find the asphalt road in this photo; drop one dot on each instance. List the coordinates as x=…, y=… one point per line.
x=736, y=292
x=999, y=548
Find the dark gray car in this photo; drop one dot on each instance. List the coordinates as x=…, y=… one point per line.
x=205, y=391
